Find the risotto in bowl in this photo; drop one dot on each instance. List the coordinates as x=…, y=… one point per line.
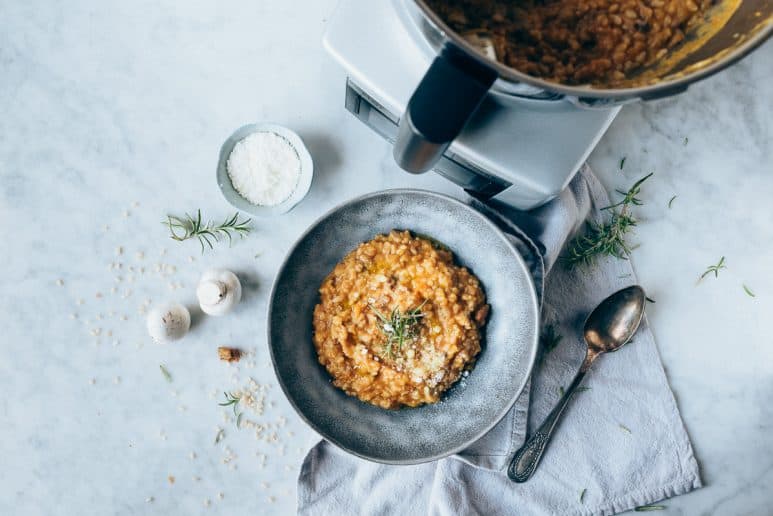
x=403, y=326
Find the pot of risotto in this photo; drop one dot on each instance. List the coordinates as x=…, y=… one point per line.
x=596, y=52
x=403, y=326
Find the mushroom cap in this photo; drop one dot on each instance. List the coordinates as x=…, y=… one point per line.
x=169, y=321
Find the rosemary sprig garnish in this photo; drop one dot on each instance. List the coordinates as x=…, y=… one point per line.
x=206, y=232
x=166, y=373
x=607, y=239
x=399, y=326
x=714, y=268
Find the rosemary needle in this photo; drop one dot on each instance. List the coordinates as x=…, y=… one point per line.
x=166, y=373
x=671, y=201
x=582, y=495
x=647, y=508
x=622, y=163
x=748, y=291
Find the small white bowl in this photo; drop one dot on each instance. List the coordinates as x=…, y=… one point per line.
x=239, y=202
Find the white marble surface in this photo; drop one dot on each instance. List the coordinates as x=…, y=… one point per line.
x=104, y=105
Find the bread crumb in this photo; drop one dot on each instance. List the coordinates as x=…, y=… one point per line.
x=229, y=354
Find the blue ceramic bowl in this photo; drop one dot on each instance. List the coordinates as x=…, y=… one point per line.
x=470, y=408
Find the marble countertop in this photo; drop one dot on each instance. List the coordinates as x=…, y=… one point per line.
x=112, y=117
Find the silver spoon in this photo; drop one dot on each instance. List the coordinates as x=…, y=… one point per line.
x=608, y=328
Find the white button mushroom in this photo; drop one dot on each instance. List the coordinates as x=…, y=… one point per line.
x=219, y=290
x=169, y=321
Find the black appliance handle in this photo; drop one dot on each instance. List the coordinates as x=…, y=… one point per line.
x=447, y=96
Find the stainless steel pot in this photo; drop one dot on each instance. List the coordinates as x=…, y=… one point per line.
x=461, y=76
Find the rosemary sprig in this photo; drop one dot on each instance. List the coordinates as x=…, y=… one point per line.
x=230, y=400
x=609, y=238
x=629, y=197
x=399, y=326
x=714, y=268
x=166, y=373
x=206, y=232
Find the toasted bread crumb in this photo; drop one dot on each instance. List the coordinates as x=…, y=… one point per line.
x=229, y=354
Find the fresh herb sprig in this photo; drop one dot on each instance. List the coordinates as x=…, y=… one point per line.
x=233, y=400
x=608, y=238
x=714, y=268
x=398, y=326
x=207, y=233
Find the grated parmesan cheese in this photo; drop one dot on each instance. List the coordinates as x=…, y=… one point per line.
x=264, y=168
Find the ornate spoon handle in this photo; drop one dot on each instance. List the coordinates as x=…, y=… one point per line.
x=525, y=460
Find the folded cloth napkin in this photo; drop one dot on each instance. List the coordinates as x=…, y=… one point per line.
x=621, y=443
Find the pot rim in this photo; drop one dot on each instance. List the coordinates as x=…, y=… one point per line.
x=656, y=90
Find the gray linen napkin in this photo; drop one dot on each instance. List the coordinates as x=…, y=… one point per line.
x=621, y=444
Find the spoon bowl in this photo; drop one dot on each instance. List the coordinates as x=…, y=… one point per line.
x=612, y=324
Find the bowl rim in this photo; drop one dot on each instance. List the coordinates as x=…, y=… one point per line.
x=235, y=199
x=533, y=300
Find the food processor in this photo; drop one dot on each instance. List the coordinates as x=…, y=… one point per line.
x=495, y=132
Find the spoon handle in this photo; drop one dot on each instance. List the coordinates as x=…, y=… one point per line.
x=526, y=459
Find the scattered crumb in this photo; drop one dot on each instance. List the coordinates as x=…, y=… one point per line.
x=80, y=302
x=98, y=295
x=117, y=380
x=73, y=316
x=220, y=496
x=192, y=455
x=207, y=502
x=191, y=259
x=271, y=499
x=126, y=214
x=60, y=282
x=136, y=204
x=196, y=478
x=93, y=381
x=149, y=499
x=119, y=250
x=229, y=354
x=171, y=479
